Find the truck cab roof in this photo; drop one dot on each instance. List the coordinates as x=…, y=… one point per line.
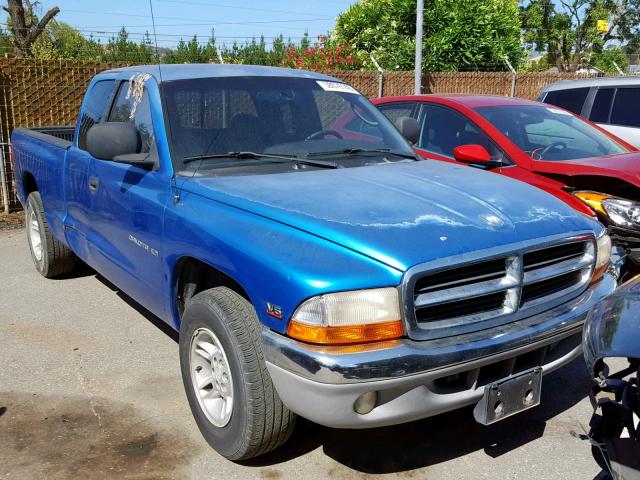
x=171, y=72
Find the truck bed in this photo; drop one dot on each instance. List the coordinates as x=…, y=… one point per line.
x=41, y=152
x=61, y=136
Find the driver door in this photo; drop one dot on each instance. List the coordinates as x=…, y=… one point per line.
x=128, y=208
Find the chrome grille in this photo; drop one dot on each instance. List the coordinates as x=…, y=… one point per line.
x=489, y=291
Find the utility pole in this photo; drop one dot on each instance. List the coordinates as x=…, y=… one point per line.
x=418, y=72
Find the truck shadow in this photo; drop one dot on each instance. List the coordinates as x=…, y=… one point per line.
x=423, y=443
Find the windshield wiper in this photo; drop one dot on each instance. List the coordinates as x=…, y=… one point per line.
x=254, y=155
x=357, y=151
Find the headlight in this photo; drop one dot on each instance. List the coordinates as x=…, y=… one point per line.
x=624, y=213
x=348, y=317
x=619, y=211
x=603, y=256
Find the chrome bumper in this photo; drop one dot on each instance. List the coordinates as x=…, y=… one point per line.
x=321, y=383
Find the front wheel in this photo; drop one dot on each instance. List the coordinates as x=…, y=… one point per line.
x=229, y=389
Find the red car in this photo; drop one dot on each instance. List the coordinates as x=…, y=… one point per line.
x=543, y=145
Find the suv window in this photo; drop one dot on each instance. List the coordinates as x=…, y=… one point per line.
x=572, y=99
x=625, y=107
x=126, y=109
x=98, y=102
x=442, y=129
x=602, y=105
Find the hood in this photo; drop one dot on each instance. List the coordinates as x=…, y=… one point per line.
x=625, y=167
x=401, y=214
x=613, y=327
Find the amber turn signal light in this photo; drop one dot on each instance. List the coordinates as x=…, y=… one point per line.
x=347, y=334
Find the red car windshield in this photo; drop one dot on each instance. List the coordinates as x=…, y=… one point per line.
x=549, y=133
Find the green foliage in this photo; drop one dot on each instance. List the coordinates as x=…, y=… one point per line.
x=459, y=35
x=605, y=60
x=6, y=42
x=120, y=48
x=61, y=41
x=567, y=31
x=251, y=52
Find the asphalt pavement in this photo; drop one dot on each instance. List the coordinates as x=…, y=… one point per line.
x=90, y=387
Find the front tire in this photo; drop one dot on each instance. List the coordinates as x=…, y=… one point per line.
x=229, y=389
x=51, y=257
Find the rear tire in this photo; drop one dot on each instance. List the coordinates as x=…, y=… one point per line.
x=230, y=392
x=51, y=257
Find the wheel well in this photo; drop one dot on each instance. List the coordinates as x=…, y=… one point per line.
x=193, y=276
x=29, y=184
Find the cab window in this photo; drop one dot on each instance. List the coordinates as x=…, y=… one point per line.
x=96, y=108
x=127, y=108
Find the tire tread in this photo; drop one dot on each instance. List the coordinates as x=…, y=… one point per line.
x=57, y=259
x=270, y=421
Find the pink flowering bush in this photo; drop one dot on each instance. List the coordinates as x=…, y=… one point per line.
x=322, y=55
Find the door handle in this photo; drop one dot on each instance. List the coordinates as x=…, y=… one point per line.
x=94, y=183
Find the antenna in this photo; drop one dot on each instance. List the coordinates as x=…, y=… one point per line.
x=155, y=39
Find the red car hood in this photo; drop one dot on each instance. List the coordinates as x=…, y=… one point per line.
x=624, y=167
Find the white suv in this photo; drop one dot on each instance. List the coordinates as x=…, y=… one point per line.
x=610, y=102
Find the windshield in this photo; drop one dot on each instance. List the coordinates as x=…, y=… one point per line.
x=549, y=133
x=249, y=125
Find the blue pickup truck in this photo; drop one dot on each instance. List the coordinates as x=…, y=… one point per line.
x=312, y=264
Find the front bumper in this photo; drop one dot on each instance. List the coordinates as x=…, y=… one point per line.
x=414, y=379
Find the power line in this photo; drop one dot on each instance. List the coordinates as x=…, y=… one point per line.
x=260, y=22
x=221, y=5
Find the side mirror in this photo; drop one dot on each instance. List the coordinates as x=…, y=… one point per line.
x=116, y=141
x=471, y=154
x=409, y=128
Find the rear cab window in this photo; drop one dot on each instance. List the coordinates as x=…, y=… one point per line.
x=571, y=99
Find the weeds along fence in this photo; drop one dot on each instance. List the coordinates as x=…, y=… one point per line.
x=42, y=93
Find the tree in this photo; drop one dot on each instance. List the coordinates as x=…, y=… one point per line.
x=60, y=41
x=567, y=31
x=458, y=34
x=25, y=26
x=120, y=48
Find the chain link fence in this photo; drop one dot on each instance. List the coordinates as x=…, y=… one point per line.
x=42, y=93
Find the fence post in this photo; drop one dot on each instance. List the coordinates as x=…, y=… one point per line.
x=380, y=76
x=3, y=181
x=617, y=67
x=513, y=75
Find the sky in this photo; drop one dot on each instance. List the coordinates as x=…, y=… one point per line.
x=231, y=19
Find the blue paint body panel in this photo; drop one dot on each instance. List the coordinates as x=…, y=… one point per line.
x=283, y=237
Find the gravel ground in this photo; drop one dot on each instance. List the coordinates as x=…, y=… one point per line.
x=11, y=221
x=90, y=388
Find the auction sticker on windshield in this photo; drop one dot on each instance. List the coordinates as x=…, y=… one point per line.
x=336, y=87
